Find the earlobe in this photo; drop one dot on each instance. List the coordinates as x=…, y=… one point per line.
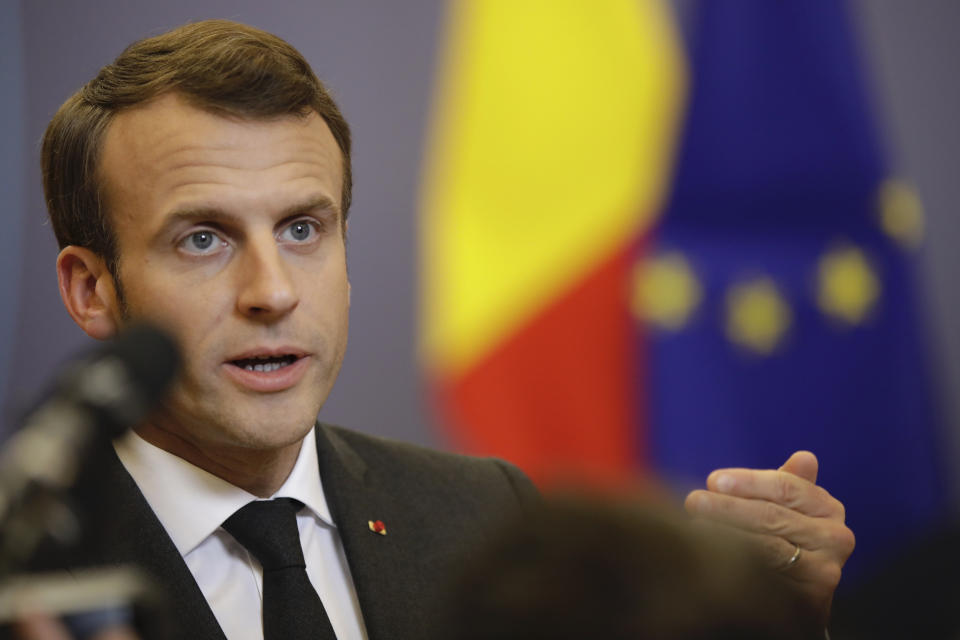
x=88, y=292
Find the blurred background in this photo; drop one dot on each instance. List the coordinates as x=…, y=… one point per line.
x=607, y=240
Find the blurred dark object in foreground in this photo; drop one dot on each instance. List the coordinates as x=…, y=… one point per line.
x=108, y=543
x=916, y=595
x=87, y=602
x=59, y=534
x=93, y=399
x=578, y=568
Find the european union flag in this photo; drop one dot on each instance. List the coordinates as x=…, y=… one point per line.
x=780, y=287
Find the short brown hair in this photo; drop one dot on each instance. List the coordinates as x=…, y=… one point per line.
x=220, y=66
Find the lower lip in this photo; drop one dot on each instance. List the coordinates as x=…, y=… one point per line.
x=268, y=381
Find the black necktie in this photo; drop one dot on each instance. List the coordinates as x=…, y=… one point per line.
x=292, y=610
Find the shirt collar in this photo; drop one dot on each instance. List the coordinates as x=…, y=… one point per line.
x=192, y=503
x=304, y=482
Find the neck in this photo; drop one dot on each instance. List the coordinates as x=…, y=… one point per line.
x=257, y=471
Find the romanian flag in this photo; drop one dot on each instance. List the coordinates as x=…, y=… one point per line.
x=624, y=274
x=553, y=139
x=552, y=147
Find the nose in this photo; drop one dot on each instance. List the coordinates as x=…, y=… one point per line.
x=267, y=291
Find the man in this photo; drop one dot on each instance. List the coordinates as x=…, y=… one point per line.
x=201, y=182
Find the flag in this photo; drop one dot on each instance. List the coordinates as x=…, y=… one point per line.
x=778, y=295
x=622, y=276
x=552, y=141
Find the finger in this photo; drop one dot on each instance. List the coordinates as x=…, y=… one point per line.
x=816, y=571
x=773, y=551
x=769, y=518
x=781, y=554
x=781, y=487
x=803, y=464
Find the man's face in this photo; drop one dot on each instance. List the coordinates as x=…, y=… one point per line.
x=229, y=236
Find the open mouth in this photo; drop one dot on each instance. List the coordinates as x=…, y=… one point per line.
x=265, y=364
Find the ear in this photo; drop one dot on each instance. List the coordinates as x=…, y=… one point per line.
x=88, y=292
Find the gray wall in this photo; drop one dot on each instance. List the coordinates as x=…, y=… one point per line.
x=11, y=178
x=914, y=52
x=378, y=55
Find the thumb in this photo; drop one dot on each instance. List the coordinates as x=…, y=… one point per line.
x=803, y=464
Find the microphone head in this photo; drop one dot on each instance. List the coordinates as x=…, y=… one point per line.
x=123, y=380
x=152, y=359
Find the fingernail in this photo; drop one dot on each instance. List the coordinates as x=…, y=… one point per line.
x=698, y=502
x=724, y=483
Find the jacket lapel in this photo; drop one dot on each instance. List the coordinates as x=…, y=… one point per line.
x=130, y=533
x=384, y=568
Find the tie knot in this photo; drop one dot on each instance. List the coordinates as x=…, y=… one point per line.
x=268, y=530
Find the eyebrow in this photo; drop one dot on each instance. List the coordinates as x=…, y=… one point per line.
x=317, y=204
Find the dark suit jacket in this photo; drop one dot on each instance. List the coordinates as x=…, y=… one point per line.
x=436, y=507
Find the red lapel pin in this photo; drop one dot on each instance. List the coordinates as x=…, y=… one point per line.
x=377, y=527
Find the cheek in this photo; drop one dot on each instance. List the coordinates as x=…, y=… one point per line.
x=333, y=303
x=189, y=312
x=325, y=289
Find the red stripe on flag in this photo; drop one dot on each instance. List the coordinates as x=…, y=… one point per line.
x=561, y=397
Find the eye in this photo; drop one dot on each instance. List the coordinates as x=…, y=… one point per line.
x=203, y=242
x=299, y=231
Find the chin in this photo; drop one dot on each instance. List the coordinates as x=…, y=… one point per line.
x=266, y=432
x=245, y=425
x=221, y=415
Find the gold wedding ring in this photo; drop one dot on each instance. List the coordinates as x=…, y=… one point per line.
x=793, y=559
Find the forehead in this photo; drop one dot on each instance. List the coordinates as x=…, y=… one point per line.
x=168, y=149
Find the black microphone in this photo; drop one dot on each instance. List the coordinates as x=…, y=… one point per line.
x=97, y=398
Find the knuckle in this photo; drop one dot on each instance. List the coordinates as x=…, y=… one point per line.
x=784, y=490
x=841, y=511
x=840, y=541
x=848, y=541
x=831, y=507
x=772, y=518
x=830, y=574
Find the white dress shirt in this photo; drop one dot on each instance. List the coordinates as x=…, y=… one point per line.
x=192, y=504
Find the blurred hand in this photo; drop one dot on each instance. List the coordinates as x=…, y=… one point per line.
x=779, y=510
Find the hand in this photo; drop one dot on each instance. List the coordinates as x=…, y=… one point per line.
x=779, y=510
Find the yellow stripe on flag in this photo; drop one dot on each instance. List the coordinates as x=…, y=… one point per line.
x=553, y=135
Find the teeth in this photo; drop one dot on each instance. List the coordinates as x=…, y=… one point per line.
x=266, y=367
